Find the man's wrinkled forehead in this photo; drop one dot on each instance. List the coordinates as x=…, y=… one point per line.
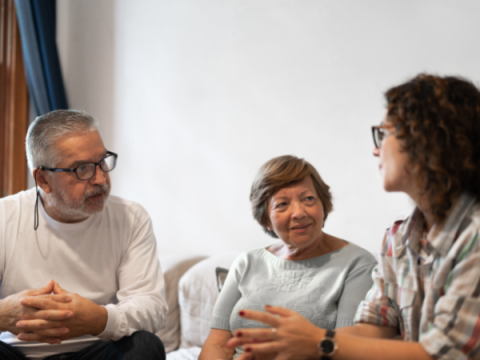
x=78, y=148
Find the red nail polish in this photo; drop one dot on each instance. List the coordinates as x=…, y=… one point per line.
x=268, y=306
x=239, y=334
x=248, y=349
x=241, y=313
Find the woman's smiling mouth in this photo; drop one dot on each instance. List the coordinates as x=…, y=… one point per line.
x=301, y=227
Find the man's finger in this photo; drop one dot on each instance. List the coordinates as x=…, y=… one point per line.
x=63, y=298
x=35, y=325
x=58, y=290
x=259, y=316
x=37, y=337
x=47, y=289
x=56, y=315
x=42, y=302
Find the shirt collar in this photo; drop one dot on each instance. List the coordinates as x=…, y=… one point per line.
x=414, y=230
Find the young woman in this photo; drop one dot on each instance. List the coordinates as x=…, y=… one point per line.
x=427, y=284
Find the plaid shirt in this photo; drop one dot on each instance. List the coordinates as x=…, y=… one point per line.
x=429, y=290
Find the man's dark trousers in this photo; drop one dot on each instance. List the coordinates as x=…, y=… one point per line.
x=141, y=345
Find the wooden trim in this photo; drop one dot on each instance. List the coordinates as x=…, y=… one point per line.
x=13, y=104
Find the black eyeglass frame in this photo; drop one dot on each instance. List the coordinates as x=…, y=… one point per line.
x=382, y=131
x=108, y=154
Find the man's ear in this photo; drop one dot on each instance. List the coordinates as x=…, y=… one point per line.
x=42, y=180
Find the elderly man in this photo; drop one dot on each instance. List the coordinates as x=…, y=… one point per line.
x=79, y=276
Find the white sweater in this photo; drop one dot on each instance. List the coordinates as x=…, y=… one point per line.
x=110, y=258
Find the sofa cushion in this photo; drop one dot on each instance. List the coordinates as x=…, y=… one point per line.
x=173, y=266
x=197, y=293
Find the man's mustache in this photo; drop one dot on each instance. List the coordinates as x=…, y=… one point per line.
x=99, y=189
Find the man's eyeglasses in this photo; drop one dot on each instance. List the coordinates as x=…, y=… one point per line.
x=83, y=172
x=380, y=132
x=87, y=171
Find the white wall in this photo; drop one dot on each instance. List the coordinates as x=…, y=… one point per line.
x=195, y=95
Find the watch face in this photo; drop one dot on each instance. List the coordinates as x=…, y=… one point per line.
x=327, y=346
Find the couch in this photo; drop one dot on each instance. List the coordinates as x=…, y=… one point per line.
x=191, y=289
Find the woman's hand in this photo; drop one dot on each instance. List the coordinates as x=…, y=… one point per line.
x=291, y=336
x=295, y=338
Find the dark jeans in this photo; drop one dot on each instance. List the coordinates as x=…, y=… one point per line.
x=141, y=345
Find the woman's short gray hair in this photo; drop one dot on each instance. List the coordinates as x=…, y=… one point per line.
x=46, y=129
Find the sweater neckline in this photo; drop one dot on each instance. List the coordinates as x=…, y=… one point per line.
x=325, y=257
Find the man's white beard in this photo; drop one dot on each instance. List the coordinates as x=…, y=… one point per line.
x=73, y=210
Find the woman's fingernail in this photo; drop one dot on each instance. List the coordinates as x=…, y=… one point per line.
x=241, y=313
x=268, y=306
x=248, y=349
x=238, y=334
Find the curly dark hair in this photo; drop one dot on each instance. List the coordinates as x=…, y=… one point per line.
x=438, y=119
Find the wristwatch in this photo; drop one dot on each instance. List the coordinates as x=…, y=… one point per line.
x=327, y=347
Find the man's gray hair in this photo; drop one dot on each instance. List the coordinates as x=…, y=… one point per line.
x=46, y=129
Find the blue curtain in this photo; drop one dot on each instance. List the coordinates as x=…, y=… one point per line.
x=37, y=24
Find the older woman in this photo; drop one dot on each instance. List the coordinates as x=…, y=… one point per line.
x=317, y=274
x=427, y=284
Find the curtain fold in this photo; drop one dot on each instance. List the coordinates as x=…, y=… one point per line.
x=37, y=23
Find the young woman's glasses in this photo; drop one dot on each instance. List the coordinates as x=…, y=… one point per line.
x=379, y=133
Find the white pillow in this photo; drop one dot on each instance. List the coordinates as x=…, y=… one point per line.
x=197, y=293
x=173, y=266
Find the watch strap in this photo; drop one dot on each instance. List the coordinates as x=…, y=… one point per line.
x=327, y=346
